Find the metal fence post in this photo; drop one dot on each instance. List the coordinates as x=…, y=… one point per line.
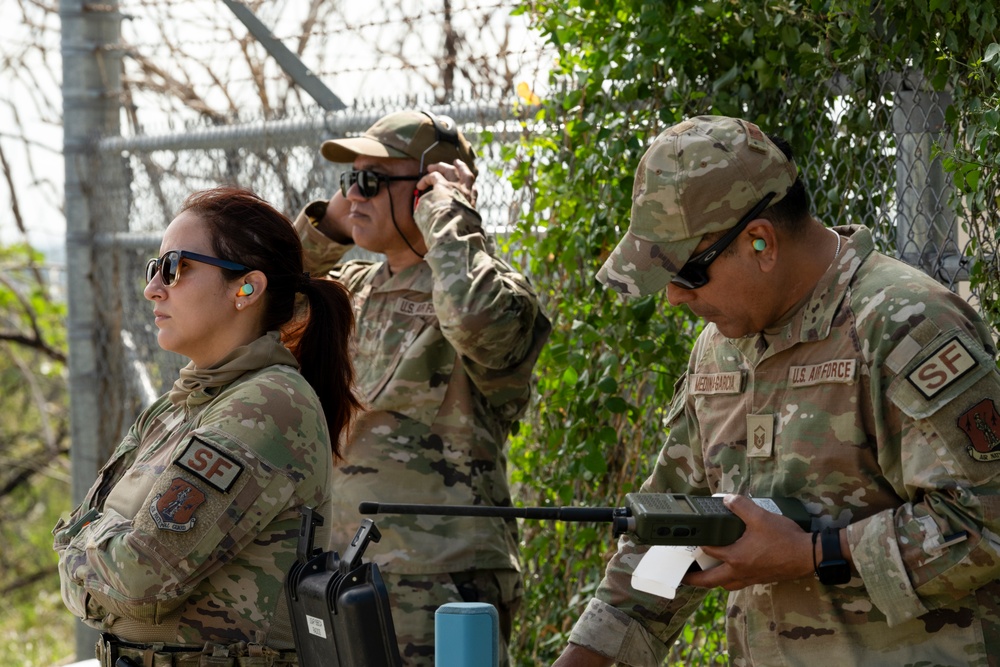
x=926, y=233
x=91, y=98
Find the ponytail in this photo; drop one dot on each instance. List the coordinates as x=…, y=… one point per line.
x=321, y=341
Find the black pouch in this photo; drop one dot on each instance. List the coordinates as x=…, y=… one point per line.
x=339, y=607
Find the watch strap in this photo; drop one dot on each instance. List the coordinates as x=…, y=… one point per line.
x=815, y=567
x=831, y=545
x=834, y=568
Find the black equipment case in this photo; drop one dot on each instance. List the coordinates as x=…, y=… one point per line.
x=339, y=607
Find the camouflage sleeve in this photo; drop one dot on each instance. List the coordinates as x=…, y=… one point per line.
x=231, y=476
x=320, y=253
x=74, y=593
x=487, y=311
x=941, y=453
x=631, y=626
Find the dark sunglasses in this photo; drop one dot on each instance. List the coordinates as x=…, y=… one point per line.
x=169, y=265
x=694, y=273
x=368, y=181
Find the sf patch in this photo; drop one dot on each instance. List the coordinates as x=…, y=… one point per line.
x=210, y=464
x=948, y=363
x=981, y=424
x=174, y=508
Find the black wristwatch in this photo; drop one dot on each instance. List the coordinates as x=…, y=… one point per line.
x=834, y=568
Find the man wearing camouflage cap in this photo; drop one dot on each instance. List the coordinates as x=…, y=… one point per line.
x=447, y=337
x=826, y=372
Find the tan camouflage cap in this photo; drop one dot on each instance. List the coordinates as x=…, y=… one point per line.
x=406, y=134
x=699, y=176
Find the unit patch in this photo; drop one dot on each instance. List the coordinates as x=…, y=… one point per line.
x=211, y=464
x=981, y=423
x=716, y=383
x=836, y=370
x=950, y=362
x=174, y=509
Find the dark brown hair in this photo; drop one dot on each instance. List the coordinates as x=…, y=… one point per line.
x=246, y=229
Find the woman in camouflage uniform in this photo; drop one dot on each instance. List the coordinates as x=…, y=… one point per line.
x=180, y=549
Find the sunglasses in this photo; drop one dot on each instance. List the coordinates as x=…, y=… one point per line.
x=169, y=265
x=368, y=181
x=694, y=273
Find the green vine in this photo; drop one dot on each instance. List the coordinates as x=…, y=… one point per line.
x=820, y=72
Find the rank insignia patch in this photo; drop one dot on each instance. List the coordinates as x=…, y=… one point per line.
x=981, y=423
x=174, y=509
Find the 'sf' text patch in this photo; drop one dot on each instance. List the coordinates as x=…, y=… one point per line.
x=716, y=383
x=210, y=463
x=836, y=370
x=948, y=363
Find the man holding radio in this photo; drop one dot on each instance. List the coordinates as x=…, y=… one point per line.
x=826, y=372
x=447, y=337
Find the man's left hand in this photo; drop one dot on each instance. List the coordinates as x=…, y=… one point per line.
x=773, y=548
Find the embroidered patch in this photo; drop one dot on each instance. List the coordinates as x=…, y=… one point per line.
x=716, y=383
x=760, y=436
x=755, y=138
x=407, y=307
x=981, y=423
x=174, y=509
x=211, y=464
x=950, y=362
x=837, y=370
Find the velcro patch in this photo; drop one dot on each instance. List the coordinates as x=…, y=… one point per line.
x=981, y=423
x=210, y=464
x=716, y=383
x=948, y=363
x=836, y=370
x=760, y=436
x=407, y=307
x=755, y=138
x=174, y=508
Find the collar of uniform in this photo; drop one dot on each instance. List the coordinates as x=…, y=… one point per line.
x=417, y=278
x=814, y=319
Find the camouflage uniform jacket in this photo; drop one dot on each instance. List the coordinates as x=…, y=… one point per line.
x=876, y=405
x=444, y=358
x=192, y=524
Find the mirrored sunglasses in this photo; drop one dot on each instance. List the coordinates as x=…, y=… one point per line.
x=694, y=273
x=169, y=265
x=368, y=181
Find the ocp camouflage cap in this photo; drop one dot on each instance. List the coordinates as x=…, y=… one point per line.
x=699, y=176
x=406, y=134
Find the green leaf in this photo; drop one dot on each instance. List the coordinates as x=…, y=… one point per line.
x=991, y=52
x=643, y=309
x=616, y=404
x=608, y=385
